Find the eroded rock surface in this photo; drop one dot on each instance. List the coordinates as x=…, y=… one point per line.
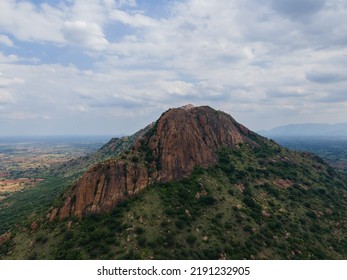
x=181, y=139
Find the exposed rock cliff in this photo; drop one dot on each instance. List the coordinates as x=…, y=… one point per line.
x=181, y=139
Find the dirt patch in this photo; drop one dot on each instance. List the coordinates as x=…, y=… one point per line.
x=240, y=187
x=14, y=185
x=283, y=184
x=342, y=166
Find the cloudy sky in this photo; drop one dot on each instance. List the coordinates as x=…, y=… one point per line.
x=113, y=66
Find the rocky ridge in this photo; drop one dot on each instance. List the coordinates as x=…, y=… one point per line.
x=181, y=139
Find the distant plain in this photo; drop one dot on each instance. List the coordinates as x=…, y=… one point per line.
x=27, y=160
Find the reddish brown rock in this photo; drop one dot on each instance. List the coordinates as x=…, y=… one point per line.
x=53, y=214
x=328, y=211
x=5, y=237
x=186, y=138
x=180, y=140
x=103, y=186
x=34, y=226
x=283, y=183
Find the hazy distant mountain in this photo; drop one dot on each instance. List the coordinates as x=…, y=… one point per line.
x=308, y=129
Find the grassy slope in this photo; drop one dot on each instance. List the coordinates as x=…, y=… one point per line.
x=236, y=209
x=21, y=207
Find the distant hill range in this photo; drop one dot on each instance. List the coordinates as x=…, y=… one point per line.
x=308, y=130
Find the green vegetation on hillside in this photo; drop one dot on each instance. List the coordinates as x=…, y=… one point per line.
x=20, y=207
x=262, y=203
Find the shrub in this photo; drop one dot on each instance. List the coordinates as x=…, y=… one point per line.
x=41, y=238
x=231, y=192
x=149, y=156
x=68, y=235
x=191, y=239
x=74, y=254
x=139, y=230
x=208, y=200
x=142, y=241
x=180, y=224
x=311, y=214
x=135, y=159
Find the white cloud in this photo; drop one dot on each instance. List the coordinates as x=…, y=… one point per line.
x=80, y=22
x=176, y=87
x=22, y=116
x=264, y=62
x=8, y=58
x=95, y=11
x=80, y=108
x=136, y=20
x=5, y=96
x=6, y=41
x=28, y=22
x=7, y=81
x=84, y=34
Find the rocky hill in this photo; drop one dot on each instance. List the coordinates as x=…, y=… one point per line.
x=180, y=140
x=196, y=184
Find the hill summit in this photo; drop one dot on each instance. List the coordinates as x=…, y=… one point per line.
x=180, y=140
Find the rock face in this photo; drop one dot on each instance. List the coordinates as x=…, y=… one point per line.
x=34, y=226
x=181, y=139
x=188, y=137
x=103, y=186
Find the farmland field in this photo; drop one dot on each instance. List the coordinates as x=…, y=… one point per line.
x=28, y=184
x=24, y=161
